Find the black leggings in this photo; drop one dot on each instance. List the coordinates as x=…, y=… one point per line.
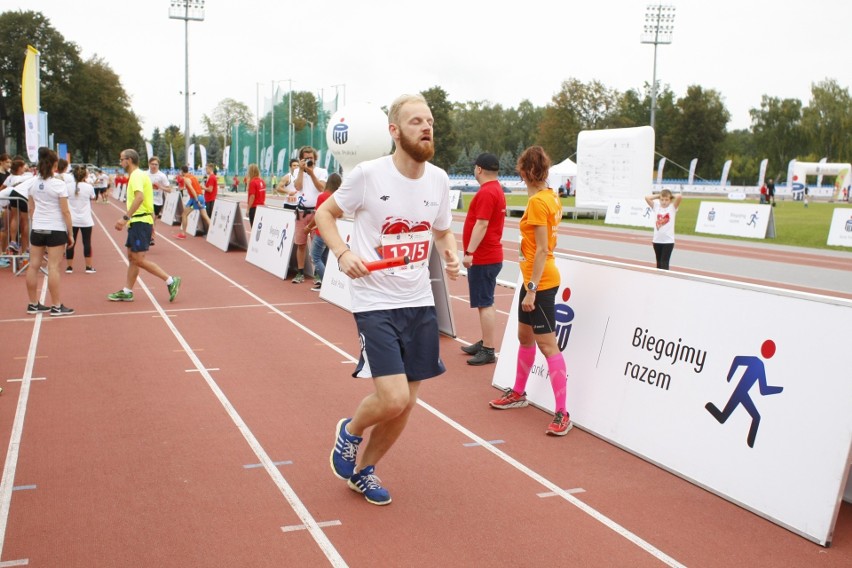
x=664, y=254
x=87, y=243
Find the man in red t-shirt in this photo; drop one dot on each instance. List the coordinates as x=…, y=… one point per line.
x=483, y=253
x=211, y=189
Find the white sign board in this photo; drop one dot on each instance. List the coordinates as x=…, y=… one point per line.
x=226, y=226
x=192, y=222
x=271, y=240
x=172, y=208
x=614, y=164
x=840, y=231
x=456, y=201
x=631, y=212
x=712, y=380
x=735, y=219
x=335, y=284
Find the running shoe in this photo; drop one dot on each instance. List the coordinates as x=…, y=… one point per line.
x=483, y=357
x=120, y=296
x=37, y=308
x=560, y=425
x=345, y=451
x=174, y=288
x=317, y=285
x=368, y=484
x=299, y=278
x=510, y=399
x=60, y=310
x=180, y=236
x=90, y=270
x=68, y=270
x=473, y=348
x=14, y=247
x=4, y=263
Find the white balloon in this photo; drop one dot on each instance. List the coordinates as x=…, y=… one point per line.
x=358, y=132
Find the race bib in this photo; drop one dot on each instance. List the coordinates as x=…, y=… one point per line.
x=413, y=245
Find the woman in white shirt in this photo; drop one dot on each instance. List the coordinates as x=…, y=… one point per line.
x=80, y=198
x=50, y=222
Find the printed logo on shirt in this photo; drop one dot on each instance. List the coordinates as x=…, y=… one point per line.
x=663, y=220
x=384, y=197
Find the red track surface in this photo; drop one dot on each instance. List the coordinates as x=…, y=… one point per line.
x=128, y=453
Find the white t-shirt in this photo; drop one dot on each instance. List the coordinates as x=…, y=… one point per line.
x=384, y=203
x=310, y=192
x=80, y=203
x=664, y=224
x=46, y=194
x=163, y=181
x=20, y=183
x=102, y=181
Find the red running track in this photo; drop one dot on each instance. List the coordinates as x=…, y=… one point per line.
x=197, y=433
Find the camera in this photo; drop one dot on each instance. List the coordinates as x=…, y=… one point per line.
x=309, y=163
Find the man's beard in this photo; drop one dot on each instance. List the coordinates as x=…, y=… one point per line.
x=419, y=150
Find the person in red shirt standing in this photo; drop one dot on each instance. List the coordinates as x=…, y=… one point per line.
x=211, y=189
x=196, y=202
x=319, y=250
x=256, y=191
x=483, y=253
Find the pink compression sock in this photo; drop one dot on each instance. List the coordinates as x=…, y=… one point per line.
x=526, y=356
x=558, y=379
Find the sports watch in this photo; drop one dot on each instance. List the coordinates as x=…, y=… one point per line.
x=125, y=217
x=531, y=287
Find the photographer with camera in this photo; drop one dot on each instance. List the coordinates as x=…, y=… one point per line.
x=309, y=183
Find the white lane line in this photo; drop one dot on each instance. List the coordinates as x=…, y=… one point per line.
x=595, y=514
x=11, y=464
x=292, y=528
x=257, y=465
x=22, y=380
x=287, y=491
x=552, y=494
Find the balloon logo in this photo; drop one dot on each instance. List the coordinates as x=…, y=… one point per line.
x=356, y=133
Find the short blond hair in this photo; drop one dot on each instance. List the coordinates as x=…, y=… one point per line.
x=401, y=101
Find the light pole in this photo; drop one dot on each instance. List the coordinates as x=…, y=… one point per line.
x=658, y=29
x=186, y=10
x=290, y=114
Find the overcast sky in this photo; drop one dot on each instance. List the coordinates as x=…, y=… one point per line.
x=498, y=51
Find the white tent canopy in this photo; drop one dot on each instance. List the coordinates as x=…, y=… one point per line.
x=560, y=172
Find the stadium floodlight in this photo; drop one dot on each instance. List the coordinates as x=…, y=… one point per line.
x=658, y=29
x=186, y=10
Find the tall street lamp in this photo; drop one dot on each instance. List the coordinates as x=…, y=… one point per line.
x=312, y=132
x=186, y=10
x=658, y=29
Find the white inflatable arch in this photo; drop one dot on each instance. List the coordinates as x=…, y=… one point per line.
x=797, y=173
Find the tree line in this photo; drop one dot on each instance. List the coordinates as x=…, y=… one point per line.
x=91, y=112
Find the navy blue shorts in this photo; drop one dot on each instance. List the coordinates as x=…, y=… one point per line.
x=481, y=281
x=403, y=341
x=139, y=236
x=543, y=318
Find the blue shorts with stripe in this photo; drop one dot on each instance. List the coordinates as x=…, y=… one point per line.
x=399, y=341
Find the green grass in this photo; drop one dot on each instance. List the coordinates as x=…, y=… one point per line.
x=794, y=224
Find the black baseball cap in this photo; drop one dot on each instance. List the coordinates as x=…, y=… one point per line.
x=488, y=161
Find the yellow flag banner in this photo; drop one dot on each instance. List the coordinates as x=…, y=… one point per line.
x=30, y=100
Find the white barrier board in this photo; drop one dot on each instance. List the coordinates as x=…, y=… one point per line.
x=735, y=219
x=456, y=199
x=192, y=222
x=617, y=163
x=335, y=284
x=172, y=209
x=631, y=212
x=271, y=240
x=840, y=231
x=226, y=226
x=654, y=357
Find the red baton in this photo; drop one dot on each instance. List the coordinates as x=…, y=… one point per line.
x=387, y=263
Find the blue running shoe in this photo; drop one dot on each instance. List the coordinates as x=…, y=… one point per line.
x=345, y=451
x=367, y=483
